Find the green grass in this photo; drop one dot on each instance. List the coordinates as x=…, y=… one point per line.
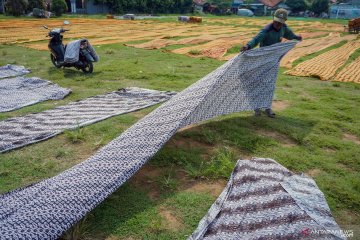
x=307, y=136
x=130, y=213
x=234, y=49
x=75, y=136
x=195, y=52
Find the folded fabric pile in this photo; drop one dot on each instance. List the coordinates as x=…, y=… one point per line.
x=264, y=200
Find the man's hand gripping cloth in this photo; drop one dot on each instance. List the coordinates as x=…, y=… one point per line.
x=264, y=200
x=73, y=49
x=46, y=209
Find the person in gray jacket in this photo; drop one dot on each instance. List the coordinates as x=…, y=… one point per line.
x=271, y=34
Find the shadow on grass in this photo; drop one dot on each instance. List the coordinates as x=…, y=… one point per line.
x=129, y=209
x=73, y=72
x=130, y=213
x=242, y=131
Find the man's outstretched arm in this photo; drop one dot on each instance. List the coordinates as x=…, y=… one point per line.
x=290, y=35
x=255, y=41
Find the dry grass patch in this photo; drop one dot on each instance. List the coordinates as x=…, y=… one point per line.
x=329, y=150
x=351, y=137
x=314, y=172
x=169, y=219
x=147, y=176
x=280, y=105
x=283, y=139
x=214, y=188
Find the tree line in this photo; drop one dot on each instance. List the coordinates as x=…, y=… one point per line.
x=148, y=6
x=316, y=6
x=19, y=7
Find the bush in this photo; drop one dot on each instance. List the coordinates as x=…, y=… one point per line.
x=40, y=4
x=40, y=13
x=296, y=5
x=319, y=6
x=58, y=7
x=16, y=7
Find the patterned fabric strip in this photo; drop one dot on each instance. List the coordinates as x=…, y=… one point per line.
x=19, y=92
x=21, y=131
x=12, y=71
x=46, y=209
x=251, y=207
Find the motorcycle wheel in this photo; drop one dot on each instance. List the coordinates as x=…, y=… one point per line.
x=88, y=68
x=54, y=61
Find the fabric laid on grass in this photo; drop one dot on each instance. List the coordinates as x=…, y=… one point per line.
x=19, y=92
x=46, y=209
x=12, y=71
x=21, y=131
x=264, y=200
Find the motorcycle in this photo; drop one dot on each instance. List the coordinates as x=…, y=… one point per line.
x=79, y=54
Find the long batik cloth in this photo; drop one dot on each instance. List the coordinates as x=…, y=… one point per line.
x=21, y=131
x=19, y=92
x=45, y=210
x=264, y=200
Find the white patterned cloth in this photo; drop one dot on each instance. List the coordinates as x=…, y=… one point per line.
x=264, y=200
x=19, y=92
x=46, y=209
x=21, y=131
x=12, y=71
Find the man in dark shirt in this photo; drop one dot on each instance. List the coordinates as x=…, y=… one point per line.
x=271, y=34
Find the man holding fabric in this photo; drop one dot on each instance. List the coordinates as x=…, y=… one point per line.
x=269, y=35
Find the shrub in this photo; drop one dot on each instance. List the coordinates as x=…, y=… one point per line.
x=37, y=12
x=296, y=5
x=40, y=4
x=319, y=6
x=16, y=7
x=58, y=7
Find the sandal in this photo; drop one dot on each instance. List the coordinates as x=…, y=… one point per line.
x=270, y=113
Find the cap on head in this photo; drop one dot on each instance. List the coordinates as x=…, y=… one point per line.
x=280, y=15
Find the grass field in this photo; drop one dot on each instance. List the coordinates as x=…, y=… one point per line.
x=317, y=131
